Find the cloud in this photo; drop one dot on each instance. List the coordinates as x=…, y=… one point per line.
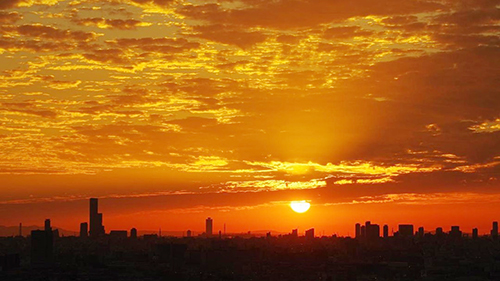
x=9, y=18
x=7, y=4
x=223, y=34
x=28, y=108
x=49, y=32
x=301, y=13
x=158, y=45
x=128, y=24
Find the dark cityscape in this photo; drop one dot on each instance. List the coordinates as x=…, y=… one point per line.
x=374, y=253
x=262, y=140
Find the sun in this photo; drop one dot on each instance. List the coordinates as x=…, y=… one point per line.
x=300, y=206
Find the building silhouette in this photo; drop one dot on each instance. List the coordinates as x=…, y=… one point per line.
x=421, y=232
x=209, y=226
x=295, y=233
x=310, y=233
x=96, y=227
x=439, y=231
x=372, y=231
x=386, y=231
x=405, y=230
x=47, y=226
x=494, y=230
x=474, y=233
x=133, y=233
x=84, y=230
x=455, y=232
x=118, y=235
x=42, y=246
x=357, y=230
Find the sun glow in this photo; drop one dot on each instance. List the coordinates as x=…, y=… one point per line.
x=300, y=206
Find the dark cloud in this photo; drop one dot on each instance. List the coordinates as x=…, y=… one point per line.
x=159, y=45
x=345, y=32
x=108, y=56
x=52, y=33
x=28, y=108
x=303, y=13
x=34, y=45
x=224, y=34
x=6, y=4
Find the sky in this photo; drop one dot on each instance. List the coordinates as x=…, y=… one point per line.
x=171, y=111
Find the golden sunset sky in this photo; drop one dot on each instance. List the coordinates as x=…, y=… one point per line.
x=171, y=111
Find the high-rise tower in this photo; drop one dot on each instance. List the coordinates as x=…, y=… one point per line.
x=209, y=226
x=96, y=227
x=494, y=230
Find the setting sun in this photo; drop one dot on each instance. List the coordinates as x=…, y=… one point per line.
x=300, y=206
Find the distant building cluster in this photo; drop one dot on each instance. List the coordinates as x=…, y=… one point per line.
x=374, y=253
x=370, y=232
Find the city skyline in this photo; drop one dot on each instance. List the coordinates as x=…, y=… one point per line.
x=172, y=111
x=368, y=231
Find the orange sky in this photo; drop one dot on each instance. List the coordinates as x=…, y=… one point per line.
x=174, y=110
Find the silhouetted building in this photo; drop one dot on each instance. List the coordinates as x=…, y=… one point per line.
x=133, y=233
x=358, y=230
x=47, y=225
x=372, y=231
x=295, y=232
x=310, y=233
x=421, y=232
x=96, y=227
x=20, y=230
x=84, y=230
x=439, y=231
x=363, y=231
x=118, y=234
x=386, y=231
x=474, y=233
x=405, y=230
x=42, y=246
x=209, y=224
x=455, y=232
x=494, y=230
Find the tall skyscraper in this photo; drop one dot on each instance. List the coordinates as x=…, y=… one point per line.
x=358, y=230
x=47, y=225
x=494, y=230
x=84, y=230
x=386, y=231
x=96, y=227
x=209, y=226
